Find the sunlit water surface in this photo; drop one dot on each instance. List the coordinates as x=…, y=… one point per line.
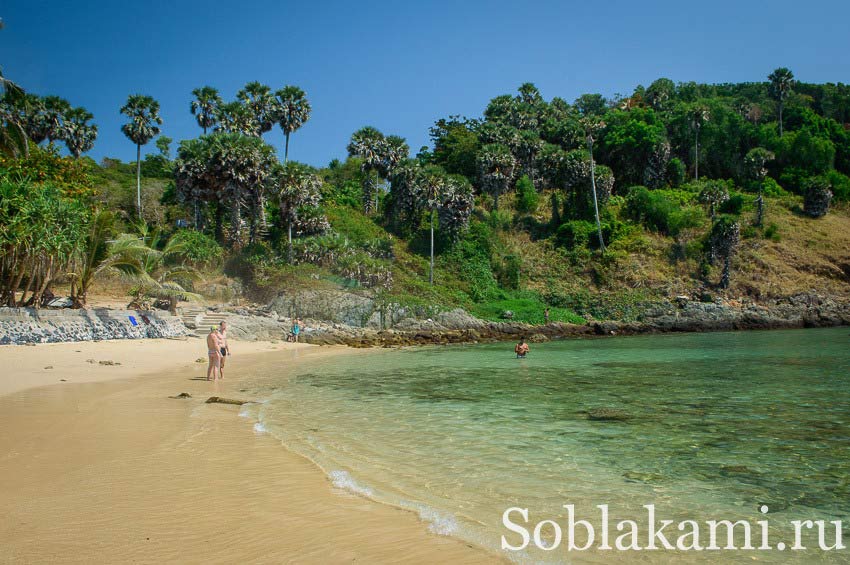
x=717, y=425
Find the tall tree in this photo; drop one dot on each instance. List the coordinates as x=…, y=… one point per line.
x=13, y=135
x=79, y=134
x=259, y=100
x=236, y=117
x=370, y=145
x=592, y=127
x=756, y=162
x=781, y=83
x=434, y=187
x=55, y=109
x=229, y=169
x=698, y=115
x=496, y=170
x=143, y=112
x=724, y=238
x=205, y=106
x=297, y=187
x=293, y=111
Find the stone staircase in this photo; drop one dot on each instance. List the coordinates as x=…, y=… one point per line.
x=196, y=318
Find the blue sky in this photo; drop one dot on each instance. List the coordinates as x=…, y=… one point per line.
x=399, y=66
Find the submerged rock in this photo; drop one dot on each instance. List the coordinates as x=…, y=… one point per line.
x=607, y=415
x=182, y=395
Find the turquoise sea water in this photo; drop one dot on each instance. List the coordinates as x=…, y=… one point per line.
x=718, y=425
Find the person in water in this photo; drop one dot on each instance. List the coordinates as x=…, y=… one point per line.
x=521, y=349
x=214, y=353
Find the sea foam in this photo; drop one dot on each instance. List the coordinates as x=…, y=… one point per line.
x=260, y=428
x=343, y=480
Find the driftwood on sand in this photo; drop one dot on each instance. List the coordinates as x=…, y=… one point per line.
x=220, y=400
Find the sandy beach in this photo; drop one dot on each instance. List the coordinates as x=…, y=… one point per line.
x=97, y=464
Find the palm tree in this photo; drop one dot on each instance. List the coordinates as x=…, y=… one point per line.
x=236, y=117
x=205, y=106
x=781, y=83
x=592, y=127
x=229, y=169
x=97, y=256
x=756, y=164
x=434, y=185
x=79, y=135
x=297, y=187
x=260, y=101
x=496, y=169
x=13, y=136
x=369, y=144
x=155, y=271
x=56, y=110
x=724, y=238
x=293, y=110
x=143, y=112
x=698, y=115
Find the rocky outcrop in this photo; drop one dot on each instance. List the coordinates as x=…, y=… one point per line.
x=799, y=311
x=27, y=325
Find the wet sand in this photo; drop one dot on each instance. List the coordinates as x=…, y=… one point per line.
x=104, y=467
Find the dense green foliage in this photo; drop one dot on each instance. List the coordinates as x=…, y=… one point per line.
x=534, y=203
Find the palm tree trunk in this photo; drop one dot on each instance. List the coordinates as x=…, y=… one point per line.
x=219, y=222
x=289, y=239
x=759, y=208
x=724, y=280
x=139, y=179
x=696, y=155
x=595, y=200
x=235, y=223
x=286, y=150
x=431, y=270
x=780, y=118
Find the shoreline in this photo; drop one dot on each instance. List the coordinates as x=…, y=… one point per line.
x=111, y=469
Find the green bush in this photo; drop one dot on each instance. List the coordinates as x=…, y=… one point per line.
x=772, y=188
x=655, y=210
x=526, y=195
x=675, y=172
x=734, y=205
x=575, y=234
x=509, y=272
x=771, y=232
x=840, y=186
x=527, y=309
x=198, y=248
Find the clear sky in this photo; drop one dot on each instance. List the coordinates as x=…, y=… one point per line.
x=399, y=66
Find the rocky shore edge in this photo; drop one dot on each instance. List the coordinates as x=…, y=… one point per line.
x=683, y=314
x=457, y=326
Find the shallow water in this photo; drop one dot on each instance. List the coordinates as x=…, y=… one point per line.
x=717, y=425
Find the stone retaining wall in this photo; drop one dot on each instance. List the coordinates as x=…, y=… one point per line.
x=27, y=325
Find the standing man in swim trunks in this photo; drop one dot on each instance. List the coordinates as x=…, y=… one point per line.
x=224, y=347
x=214, y=354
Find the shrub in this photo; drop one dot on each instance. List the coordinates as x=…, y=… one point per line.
x=526, y=195
x=657, y=212
x=675, y=171
x=734, y=205
x=575, y=234
x=840, y=186
x=772, y=188
x=771, y=232
x=198, y=248
x=817, y=197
